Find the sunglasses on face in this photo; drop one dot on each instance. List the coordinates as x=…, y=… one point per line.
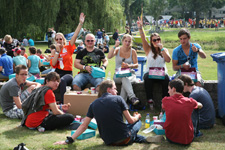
x=90, y=40
x=154, y=40
x=60, y=39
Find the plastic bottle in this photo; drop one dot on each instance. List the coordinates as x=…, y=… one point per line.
x=41, y=129
x=147, y=121
x=109, y=76
x=160, y=115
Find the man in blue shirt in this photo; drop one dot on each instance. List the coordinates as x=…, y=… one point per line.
x=99, y=37
x=108, y=110
x=207, y=113
x=6, y=64
x=187, y=52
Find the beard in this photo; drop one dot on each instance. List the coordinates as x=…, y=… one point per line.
x=186, y=94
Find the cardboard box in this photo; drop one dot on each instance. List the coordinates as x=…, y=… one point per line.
x=79, y=102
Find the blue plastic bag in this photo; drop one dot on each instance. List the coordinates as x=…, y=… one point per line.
x=97, y=72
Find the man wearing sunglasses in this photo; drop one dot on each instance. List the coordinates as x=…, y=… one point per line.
x=90, y=56
x=11, y=95
x=187, y=52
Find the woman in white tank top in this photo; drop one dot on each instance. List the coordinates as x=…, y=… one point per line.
x=126, y=57
x=157, y=55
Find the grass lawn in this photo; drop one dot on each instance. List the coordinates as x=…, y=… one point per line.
x=11, y=135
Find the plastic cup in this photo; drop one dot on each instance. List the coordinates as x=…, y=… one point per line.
x=155, y=118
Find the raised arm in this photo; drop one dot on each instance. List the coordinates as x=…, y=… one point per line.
x=81, y=21
x=114, y=50
x=145, y=44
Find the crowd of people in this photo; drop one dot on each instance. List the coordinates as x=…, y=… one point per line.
x=183, y=100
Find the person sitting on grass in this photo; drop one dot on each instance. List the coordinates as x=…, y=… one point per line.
x=6, y=64
x=18, y=59
x=36, y=107
x=11, y=94
x=178, y=126
x=207, y=113
x=108, y=110
x=23, y=52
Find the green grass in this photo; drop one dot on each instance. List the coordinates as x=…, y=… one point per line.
x=11, y=135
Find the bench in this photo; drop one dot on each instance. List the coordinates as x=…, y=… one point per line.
x=139, y=90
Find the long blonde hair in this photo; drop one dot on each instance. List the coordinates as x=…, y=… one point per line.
x=63, y=37
x=128, y=35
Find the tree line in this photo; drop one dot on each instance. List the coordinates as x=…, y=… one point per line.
x=32, y=18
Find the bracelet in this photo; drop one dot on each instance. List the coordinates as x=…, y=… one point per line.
x=198, y=50
x=104, y=66
x=57, y=53
x=114, y=47
x=80, y=24
x=181, y=66
x=141, y=32
x=162, y=49
x=140, y=28
x=69, y=140
x=60, y=106
x=84, y=67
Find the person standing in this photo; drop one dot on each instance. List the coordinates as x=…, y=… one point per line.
x=187, y=52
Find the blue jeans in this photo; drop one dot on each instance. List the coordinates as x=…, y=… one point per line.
x=82, y=79
x=134, y=128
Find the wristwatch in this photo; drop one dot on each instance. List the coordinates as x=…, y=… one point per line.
x=104, y=66
x=198, y=50
x=69, y=140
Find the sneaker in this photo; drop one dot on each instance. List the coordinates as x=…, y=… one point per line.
x=150, y=101
x=134, y=100
x=199, y=134
x=155, y=139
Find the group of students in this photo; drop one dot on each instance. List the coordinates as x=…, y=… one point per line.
x=109, y=109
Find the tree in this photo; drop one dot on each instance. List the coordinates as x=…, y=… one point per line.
x=156, y=8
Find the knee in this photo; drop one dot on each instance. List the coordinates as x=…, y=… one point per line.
x=76, y=88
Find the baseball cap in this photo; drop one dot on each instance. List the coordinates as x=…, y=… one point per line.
x=17, y=50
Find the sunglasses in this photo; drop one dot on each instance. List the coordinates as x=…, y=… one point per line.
x=154, y=40
x=90, y=40
x=59, y=39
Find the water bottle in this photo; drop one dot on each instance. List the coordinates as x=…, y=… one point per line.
x=160, y=115
x=147, y=121
x=109, y=76
x=41, y=129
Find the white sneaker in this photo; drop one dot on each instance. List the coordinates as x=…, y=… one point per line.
x=155, y=139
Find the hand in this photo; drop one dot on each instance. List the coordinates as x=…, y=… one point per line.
x=160, y=45
x=60, y=143
x=194, y=48
x=137, y=115
x=82, y=18
x=117, y=43
x=124, y=65
x=65, y=107
x=59, y=47
x=186, y=67
x=88, y=68
x=140, y=22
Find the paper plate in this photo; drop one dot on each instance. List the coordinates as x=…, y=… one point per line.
x=150, y=129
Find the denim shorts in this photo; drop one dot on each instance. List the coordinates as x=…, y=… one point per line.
x=82, y=79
